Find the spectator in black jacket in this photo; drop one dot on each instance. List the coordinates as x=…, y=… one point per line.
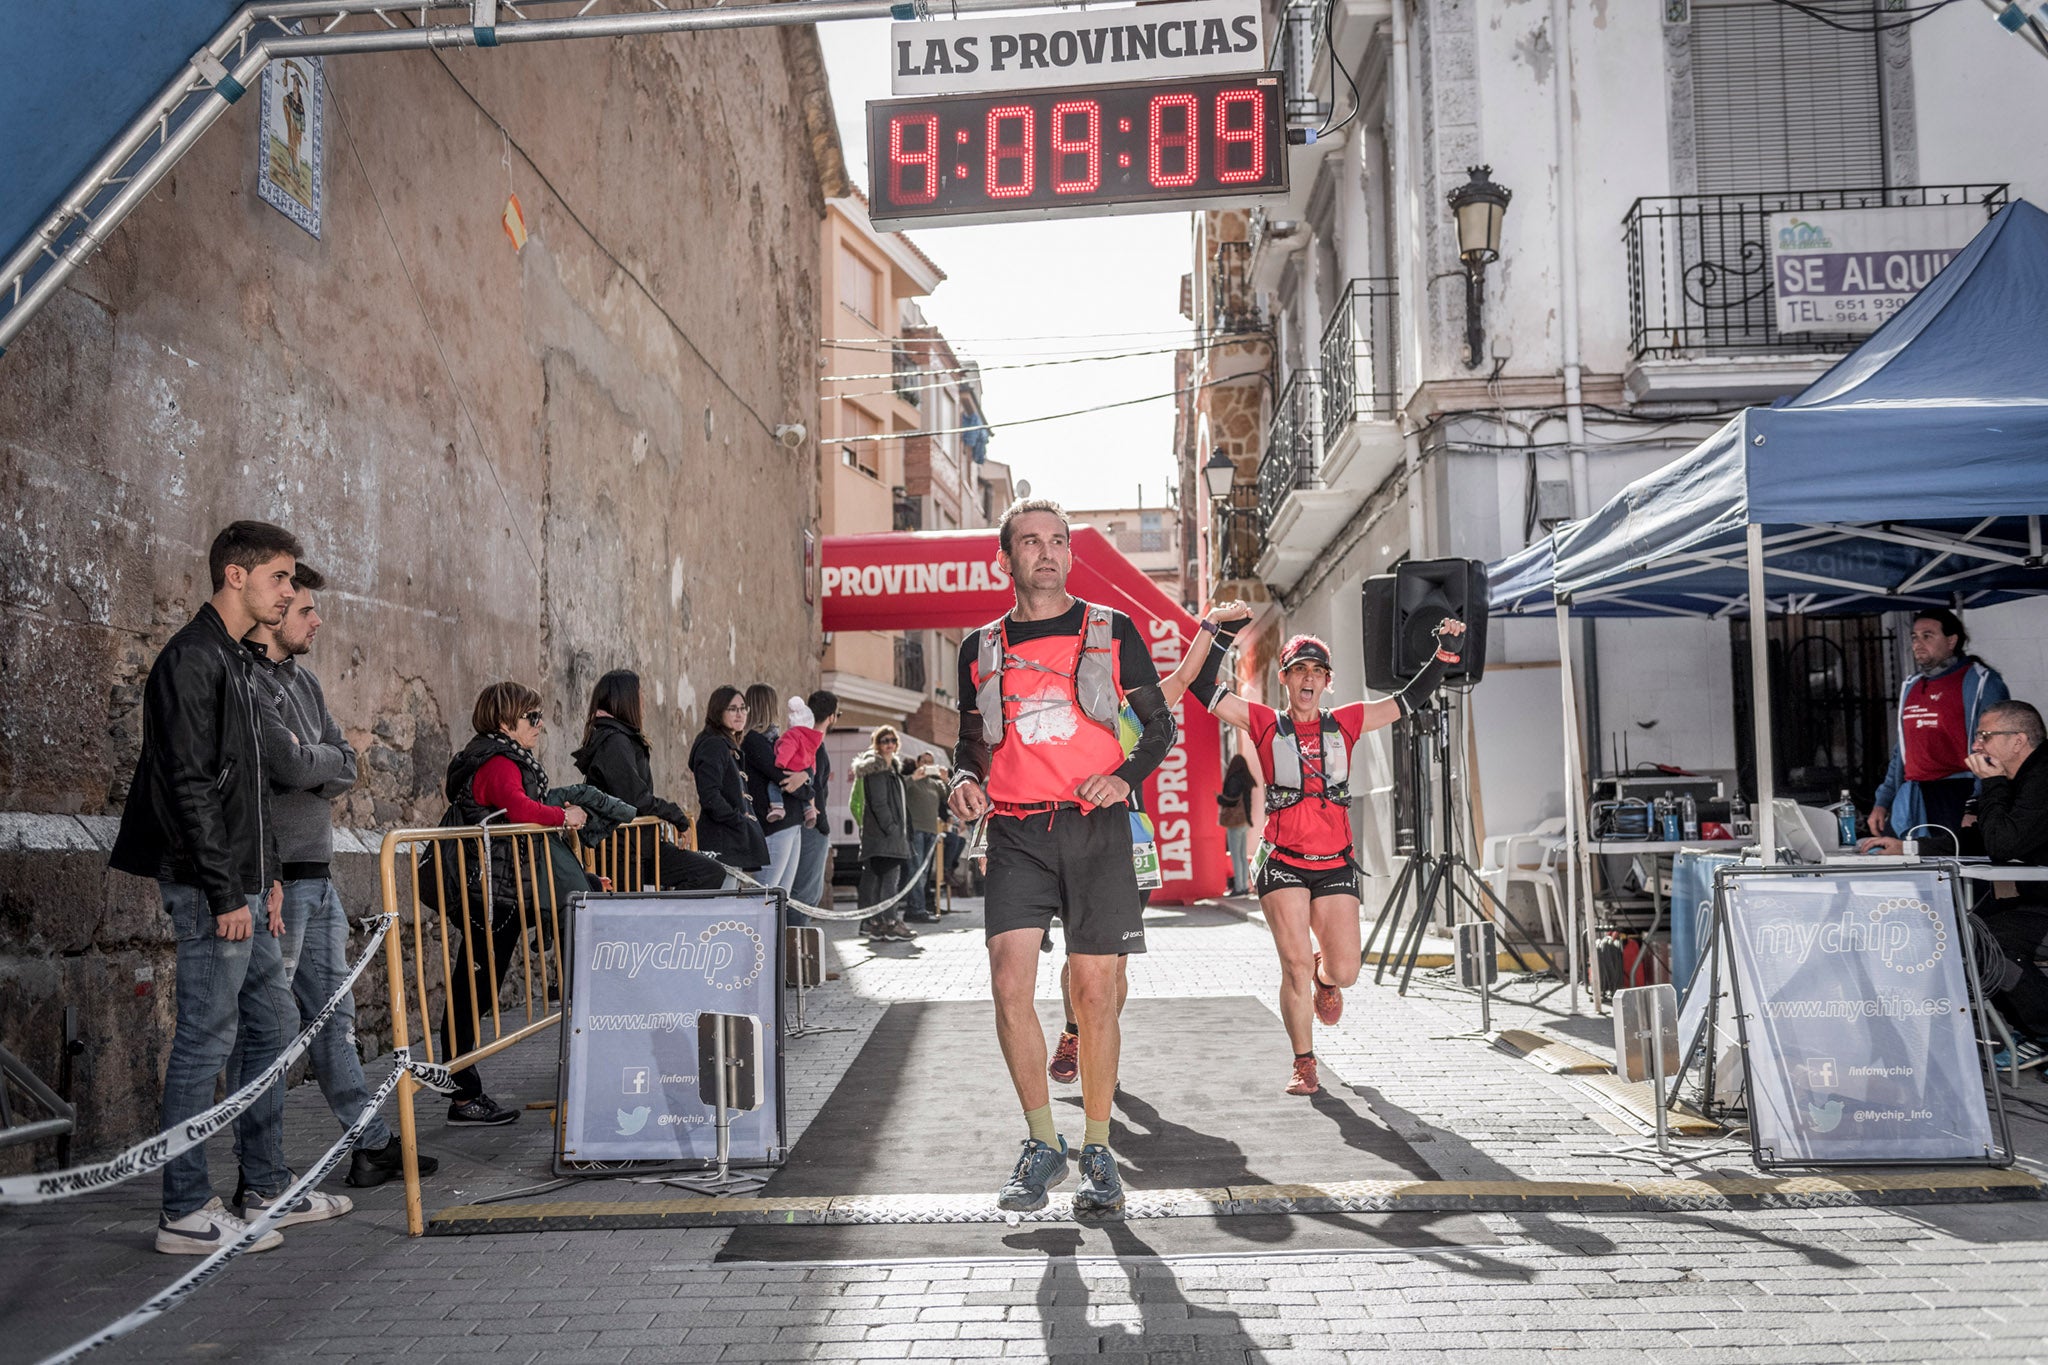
x=814, y=851
x=781, y=799
x=615, y=759
x=197, y=820
x=726, y=825
x=2010, y=826
x=884, y=834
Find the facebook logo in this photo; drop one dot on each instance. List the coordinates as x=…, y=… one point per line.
x=1821, y=1072
x=636, y=1080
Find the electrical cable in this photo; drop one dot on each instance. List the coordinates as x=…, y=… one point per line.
x=1915, y=14
x=1048, y=417
x=1336, y=66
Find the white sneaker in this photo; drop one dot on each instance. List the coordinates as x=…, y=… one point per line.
x=206, y=1230
x=310, y=1207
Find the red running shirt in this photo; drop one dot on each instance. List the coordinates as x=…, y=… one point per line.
x=1931, y=720
x=1311, y=825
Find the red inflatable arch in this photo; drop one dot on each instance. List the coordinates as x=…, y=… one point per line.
x=949, y=580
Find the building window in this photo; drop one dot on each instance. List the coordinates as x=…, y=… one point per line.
x=1782, y=101
x=866, y=456
x=860, y=286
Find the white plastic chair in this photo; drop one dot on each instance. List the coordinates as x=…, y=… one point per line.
x=1530, y=859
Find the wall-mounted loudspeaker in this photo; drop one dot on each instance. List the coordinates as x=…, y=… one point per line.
x=1402, y=609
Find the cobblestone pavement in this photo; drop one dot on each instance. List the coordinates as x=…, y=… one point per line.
x=1933, y=1283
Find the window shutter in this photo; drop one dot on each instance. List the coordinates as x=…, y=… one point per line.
x=1782, y=101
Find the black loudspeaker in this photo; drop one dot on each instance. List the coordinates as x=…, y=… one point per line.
x=1402, y=609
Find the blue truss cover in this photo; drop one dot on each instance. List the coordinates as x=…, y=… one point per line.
x=73, y=76
x=1935, y=423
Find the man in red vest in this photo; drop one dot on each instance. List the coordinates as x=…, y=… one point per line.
x=1040, y=754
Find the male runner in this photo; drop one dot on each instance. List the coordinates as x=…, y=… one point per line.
x=1307, y=879
x=1039, y=753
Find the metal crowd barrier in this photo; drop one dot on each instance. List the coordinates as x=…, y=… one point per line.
x=441, y=860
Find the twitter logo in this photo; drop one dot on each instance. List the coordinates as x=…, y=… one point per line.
x=632, y=1123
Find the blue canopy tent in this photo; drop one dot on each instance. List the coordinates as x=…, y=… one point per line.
x=1914, y=472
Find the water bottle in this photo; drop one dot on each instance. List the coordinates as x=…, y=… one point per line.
x=1669, y=808
x=1689, y=810
x=1845, y=817
x=1738, y=817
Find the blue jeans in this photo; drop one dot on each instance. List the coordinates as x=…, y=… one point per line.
x=918, y=902
x=811, y=857
x=315, y=961
x=225, y=992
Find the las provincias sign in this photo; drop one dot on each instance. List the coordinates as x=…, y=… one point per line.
x=1031, y=51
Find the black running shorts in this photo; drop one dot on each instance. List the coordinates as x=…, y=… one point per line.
x=1071, y=864
x=1339, y=878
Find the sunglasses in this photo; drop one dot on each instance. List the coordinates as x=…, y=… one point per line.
x=532, y=717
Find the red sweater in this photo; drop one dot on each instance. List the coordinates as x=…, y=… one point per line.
x=497, y=785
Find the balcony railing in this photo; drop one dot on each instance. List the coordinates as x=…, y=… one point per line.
x=1301, y=32
x=1360, y=382
x=909, y=511
x=910, y=664
x=1233, y=306
x=1234, y=535
x=909, y=381
x=1294, y=445
x=1699, y=265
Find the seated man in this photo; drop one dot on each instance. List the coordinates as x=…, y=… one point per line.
x=2011, y=826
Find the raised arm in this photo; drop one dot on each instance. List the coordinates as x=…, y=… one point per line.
x=1420, y=688
x=1202, y=662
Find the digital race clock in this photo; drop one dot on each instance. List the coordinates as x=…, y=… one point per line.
x=1150, y=147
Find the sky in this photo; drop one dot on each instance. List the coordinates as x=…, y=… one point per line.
x=1023, y=293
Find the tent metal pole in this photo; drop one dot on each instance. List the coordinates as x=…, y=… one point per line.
x=1573, y=807
x=1760, y=696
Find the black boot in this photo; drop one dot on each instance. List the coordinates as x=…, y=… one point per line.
x=368, y=1166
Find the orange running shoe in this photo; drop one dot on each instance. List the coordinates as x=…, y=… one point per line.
x=1066, y=1060
x=1329, y=1000
x=1304, y=1082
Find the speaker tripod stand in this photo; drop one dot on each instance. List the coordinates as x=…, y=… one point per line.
x=1434, y=881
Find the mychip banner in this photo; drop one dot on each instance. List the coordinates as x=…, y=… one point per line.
x=645, y=967
x=1854, y=994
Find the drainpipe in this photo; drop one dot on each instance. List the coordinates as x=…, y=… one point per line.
x=1407, y=275
x=1568, y=252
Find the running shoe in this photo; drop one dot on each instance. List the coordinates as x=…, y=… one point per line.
x=897, y=929
x=481, y=1112
x=1329, y=1000
x=311, y=1207
x=1102, y=1189
x=206, y=1230
x=1038, y=1168
x=1304, y=1082
x=1066, y=1060
x=2032, y=1054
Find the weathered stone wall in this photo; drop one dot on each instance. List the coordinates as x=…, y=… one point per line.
x=536, y=465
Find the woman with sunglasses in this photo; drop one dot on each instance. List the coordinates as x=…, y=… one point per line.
x=1306, y=877
x=727, y=828
x=498, y=771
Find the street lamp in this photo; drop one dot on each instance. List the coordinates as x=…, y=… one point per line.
x=1220, y=473
x=1478, y=205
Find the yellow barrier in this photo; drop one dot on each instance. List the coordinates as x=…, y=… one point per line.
x=442, y=860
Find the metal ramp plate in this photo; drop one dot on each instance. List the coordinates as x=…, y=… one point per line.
x=1711, y=1193
x=1558, y=1058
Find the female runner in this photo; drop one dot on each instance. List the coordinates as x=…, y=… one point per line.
x=1306, y=877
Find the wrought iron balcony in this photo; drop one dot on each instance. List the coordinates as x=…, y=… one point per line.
x=910, y=675
x=1301, y=36
x=909, y=380
x=1293, y=457
x=1233, y=305
x=1234, y=536
x=1699, y=266
x=1360, y=382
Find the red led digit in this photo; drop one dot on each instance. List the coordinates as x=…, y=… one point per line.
x=1251, y=137
x=1087, y=148
x=1023, y=152
x=925, y=158
x=1162, y=142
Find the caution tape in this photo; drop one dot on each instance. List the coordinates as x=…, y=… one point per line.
x=153, y=1153
x=428, y=1074
x=858, y=912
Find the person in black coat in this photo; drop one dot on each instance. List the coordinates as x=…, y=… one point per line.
x=615, y=759
x=726, y=826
